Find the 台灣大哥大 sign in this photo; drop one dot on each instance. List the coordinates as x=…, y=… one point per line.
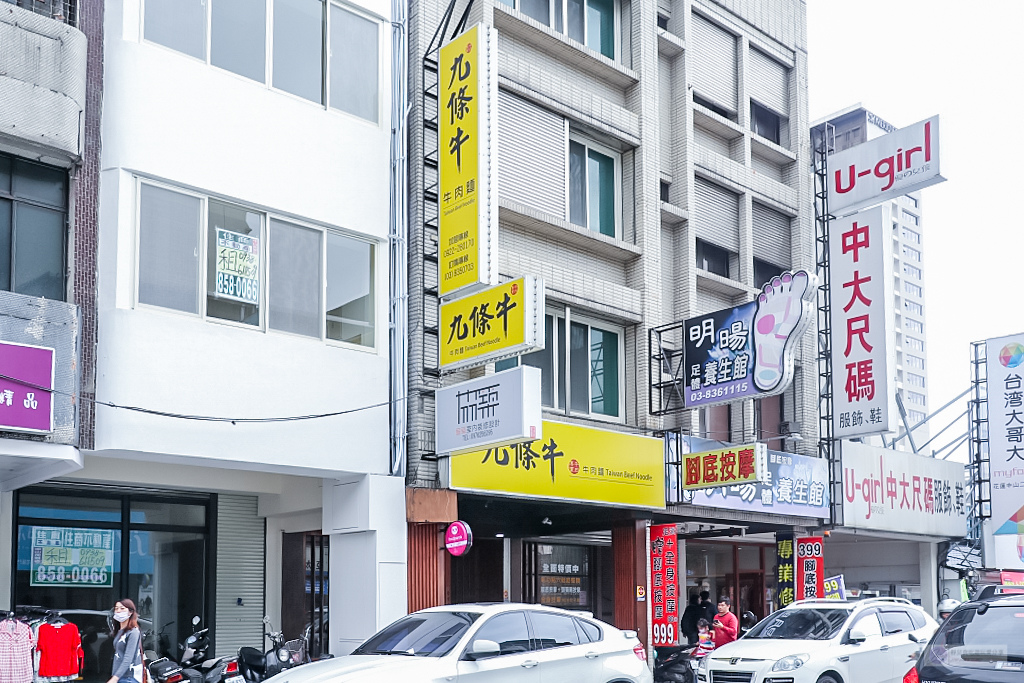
x=901, y=162
x=237, y=267
x=73, y=558
x=889, y=490
x=863, y=323
x=747, y=351
x=726, y=466
x=502, y=408
x=26, y=388
x=499, y=322
x=569, y=463
x=467, y=149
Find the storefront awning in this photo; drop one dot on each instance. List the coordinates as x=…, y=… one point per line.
x=24, y=462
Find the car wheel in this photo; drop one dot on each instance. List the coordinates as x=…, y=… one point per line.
x=828, y=679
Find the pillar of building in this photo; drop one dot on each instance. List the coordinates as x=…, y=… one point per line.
x=427, y=512
x=929, y=576
x=629, y=552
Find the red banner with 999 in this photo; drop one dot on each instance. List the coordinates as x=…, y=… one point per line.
x=664, y=589
x=810, y=567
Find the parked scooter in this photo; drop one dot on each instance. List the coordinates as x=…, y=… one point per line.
x=675, y=664
x=193, y=666
x=256, y=666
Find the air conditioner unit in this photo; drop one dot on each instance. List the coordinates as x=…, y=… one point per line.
x=789, y=427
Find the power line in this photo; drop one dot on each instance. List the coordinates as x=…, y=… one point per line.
x=198, y=418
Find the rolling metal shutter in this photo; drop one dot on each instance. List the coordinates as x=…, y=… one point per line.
x=768, y=82
x=772, y=236
x=241, y=559
x=531, y=154
x=717, y=215
x=713, y=63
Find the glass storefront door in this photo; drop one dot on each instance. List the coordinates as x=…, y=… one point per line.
x=80, y=551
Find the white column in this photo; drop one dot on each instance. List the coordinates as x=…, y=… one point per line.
x=929, y=576
x=365, y=518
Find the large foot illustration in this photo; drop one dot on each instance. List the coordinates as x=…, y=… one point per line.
x=781, y=315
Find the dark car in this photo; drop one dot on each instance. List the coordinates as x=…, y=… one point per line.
x=981, y=642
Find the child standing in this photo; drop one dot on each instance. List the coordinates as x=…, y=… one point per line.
x=705, y=639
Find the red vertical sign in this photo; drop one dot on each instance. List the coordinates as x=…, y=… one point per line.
x=810, y=567
x=664, y=590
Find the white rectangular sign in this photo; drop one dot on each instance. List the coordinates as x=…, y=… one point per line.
x=889, y=166
x=863, y=324
x=888, y=490
x=1004, y=530
x=503, y=408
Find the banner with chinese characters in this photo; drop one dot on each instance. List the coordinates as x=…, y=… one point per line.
x=901, y=162
x=498, y=409
x=835, y=588
x=237, y=267
x=563, y=572
x=747, y=351
x=863, y=324
x=1004, y=530
x=499, y=322
x=73, y=558
x=467, y=149
x=810, y=567
x=664, y=589
x=785, y=568
x=571, y=462
x=891, y=490
x=727, y=466
x=795, y=485
x=26, y=383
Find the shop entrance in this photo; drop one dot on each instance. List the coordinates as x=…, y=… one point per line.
x=745, y=572
x=305, y=562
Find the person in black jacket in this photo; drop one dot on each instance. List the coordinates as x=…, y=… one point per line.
x=691, y=615
x=710, y=610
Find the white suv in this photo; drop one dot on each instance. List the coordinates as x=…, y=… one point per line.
x=825, y=641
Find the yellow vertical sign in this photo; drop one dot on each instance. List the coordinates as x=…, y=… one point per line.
x=466, y=156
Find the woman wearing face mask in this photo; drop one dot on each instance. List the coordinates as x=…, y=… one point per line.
x=126, y=643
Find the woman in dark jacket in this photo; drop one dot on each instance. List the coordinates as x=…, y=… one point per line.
x=126, y=643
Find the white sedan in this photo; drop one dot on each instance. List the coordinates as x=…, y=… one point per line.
x=825, y=641
x=488, y=643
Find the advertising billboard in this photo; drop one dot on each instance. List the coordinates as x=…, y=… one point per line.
x=863, y=323
x=26, y=388
x=725, y=466
x=1004, y=530
x=499, y=322
x=664, y=588
x=502, y=408
x=895, y=164
x=72, y=558
x=891, y=490
x=747, y=351
x=468, y=154
x=810, y=567
x=785, y=568
x=571, y=463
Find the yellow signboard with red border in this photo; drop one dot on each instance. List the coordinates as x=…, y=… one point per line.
x=726, y=466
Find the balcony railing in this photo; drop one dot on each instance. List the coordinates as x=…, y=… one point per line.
x=64, y=11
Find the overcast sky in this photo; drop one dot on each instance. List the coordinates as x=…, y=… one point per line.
x=906, y=60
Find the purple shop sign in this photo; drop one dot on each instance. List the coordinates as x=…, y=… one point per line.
x=26, y=388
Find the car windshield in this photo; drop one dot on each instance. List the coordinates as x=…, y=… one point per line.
x=988, y=639
x=801, y=624
x=427, y=634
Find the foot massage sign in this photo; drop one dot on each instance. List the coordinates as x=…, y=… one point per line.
x=747, y=351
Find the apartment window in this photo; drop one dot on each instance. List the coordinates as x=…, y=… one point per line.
x=911, y=236
x=591, y=22
x=593, y=182
x=915, y=380
x=915, y=344
x=913, y=325
x=764, y=272
x=911, y=254
x=586, y=365
x=913, y=201
x=712, y=258
x=914, y=417
x=912, y=271
x=913, y=307
x=663, y=188
x=765, y=122
x=708, y=104
x=321, y=51
x=912, y=289
x=915, y=398
x=33, y=233
x=910, y=218
x=662, y=22
x=259, y=271
x=915, y=362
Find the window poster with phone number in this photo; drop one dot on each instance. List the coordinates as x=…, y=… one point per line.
x=238, y=267
x=72, y=557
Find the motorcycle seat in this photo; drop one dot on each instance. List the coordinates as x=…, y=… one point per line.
x=251, y=658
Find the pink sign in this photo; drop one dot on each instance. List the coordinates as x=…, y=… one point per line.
x=458, y=538
x=26, y=388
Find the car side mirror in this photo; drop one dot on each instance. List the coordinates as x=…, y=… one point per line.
x=913, y=637
x=858, y=635
x=481, y=649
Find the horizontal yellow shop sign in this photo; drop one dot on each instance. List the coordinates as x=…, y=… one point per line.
x=727, y=466
x=571, y=463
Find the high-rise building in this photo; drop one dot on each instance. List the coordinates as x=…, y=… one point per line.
x=847, y=128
